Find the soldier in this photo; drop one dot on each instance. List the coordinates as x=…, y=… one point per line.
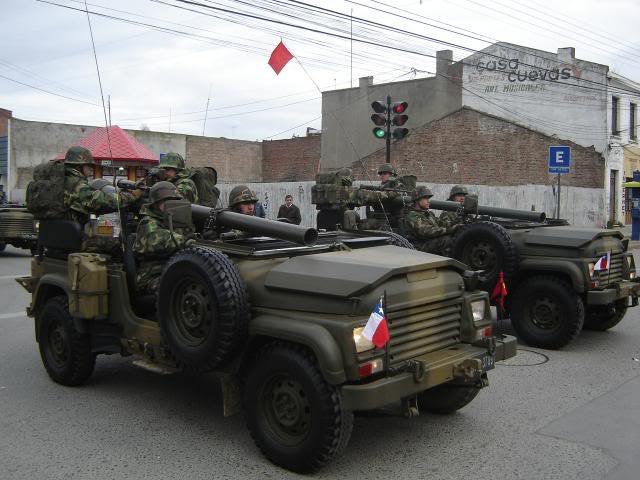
x=457, y=194
x=155, y=243
x=388, y=177
x=242, y=200
x=80, y=198
x=424, y=229
x=173, y=165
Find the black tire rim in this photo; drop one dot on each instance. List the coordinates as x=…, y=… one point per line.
x=57, y=345
x=286, y=409
x=192, y=309
x=545, y=313
x=480, y=255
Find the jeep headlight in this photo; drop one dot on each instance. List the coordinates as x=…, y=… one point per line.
x=478, y=309
x=631, y=263
x=592, y=267
x=36, y=226
x=361, y=342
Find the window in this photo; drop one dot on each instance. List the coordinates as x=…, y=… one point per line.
x=632, y=122
x=615, y=130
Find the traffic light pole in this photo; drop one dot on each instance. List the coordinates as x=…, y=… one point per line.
x=388, y=139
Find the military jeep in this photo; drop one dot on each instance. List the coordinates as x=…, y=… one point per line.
x=17, y=227
x=553, y=288
x=280, y=319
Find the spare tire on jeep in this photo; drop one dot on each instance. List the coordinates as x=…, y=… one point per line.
x=486, y=246
x=203, y=308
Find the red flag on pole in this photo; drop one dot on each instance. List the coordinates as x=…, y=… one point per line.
x=499, y=292
x=279, y=57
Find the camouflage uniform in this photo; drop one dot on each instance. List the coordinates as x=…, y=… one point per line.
x=185, y=186
x=154, y=242
x=425, y=230
x=449, y=219
x=80, y=198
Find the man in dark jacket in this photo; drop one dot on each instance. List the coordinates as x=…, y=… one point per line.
x=290, y=211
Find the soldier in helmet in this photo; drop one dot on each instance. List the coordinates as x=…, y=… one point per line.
x=154, y=241
x=388, y=176
x=173, y=165
x=79, y=197
x=242, y=200
x=457, y=194
x=424, y=229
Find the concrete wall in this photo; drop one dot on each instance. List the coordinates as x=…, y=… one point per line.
x=346, y=114
x=583, y=207
x=541, y=90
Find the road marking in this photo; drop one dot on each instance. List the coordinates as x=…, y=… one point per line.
x=4, y=316
x=6, y=277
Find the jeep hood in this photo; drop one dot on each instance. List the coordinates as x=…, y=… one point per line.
x=570, y=237
x=351, y=273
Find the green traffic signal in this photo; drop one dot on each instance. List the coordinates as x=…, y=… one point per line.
x=379, y=132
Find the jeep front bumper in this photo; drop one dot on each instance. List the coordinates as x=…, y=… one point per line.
x=618, y=291
x=436, y=368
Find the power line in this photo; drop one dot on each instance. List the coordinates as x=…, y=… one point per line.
x=48, y=92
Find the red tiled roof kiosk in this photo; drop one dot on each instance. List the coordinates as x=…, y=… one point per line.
x=126, y=151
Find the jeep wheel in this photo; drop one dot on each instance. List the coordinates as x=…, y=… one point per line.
x=604, y=317
x=203, y=308
x=294, y=416
x=486, y=246
x=2, y=246
x=546, y=312
x=447, y=398
x=65, y=352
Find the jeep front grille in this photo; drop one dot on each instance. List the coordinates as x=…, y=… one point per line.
x=417, y=328
x=13, y=226
x=614, y=274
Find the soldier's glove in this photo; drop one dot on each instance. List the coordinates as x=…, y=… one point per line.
x=455, y=228
x=190, y=242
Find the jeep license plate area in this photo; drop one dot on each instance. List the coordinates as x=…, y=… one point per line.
x=488, y=361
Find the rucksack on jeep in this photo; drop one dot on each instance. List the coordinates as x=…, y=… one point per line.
x=205, y=179
x=45, y=193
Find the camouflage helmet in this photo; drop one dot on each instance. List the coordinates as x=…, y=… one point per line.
x=458, y=190
x=422, y=192
x=78, y=156
x=163, y=191
x=386, y=168
x=172, y=160
x=241, y=194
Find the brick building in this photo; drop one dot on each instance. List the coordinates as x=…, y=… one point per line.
x=476, y=148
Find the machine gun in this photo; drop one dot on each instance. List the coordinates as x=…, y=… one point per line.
x=215, y=219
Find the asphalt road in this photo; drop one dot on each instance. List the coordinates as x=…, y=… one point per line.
x=566, y=414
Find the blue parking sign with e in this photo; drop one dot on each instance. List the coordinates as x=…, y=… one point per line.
x=559, y=159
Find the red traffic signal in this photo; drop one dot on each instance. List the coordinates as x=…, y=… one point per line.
x=378, y=119
x=379, y=107
x=399, y=107
x=399, y=120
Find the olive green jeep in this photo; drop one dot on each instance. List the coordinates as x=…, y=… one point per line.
x=280, y=319
x=17, y=227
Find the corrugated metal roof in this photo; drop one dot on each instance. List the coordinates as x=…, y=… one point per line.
x=123, y=146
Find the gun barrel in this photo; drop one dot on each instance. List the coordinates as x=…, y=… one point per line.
x=257, y=225
x=492, y=211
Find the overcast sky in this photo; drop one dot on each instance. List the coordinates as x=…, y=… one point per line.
x=161, y=79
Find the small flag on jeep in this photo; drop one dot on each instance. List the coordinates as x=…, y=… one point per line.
x=376, y=330
x=603, y=263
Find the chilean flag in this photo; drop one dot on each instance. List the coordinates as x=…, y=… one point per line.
x=376, y=330
x=603, y=263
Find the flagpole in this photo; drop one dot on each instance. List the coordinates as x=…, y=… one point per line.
x=351, y=56
x=387, y=353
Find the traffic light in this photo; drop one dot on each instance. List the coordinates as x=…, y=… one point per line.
x=399, y=119
x=381, y=119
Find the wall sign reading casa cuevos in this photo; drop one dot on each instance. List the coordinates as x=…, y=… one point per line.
x=515, y=71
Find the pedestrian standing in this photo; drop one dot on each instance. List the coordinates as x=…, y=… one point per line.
x=289, y=211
